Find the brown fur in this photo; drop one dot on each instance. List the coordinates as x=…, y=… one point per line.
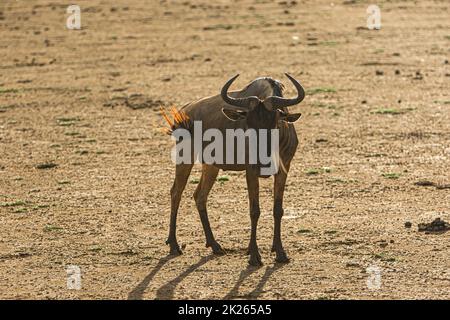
x=209, y=111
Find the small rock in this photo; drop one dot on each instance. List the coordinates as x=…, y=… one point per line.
x=424, y=183
x=437, y=225
x=408, y=224
x=48, y=165
x=139, y=101
x=352, y=264
x=418, y=76
x=379, y=73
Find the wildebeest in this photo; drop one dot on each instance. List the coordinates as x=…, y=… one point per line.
x=260, y=105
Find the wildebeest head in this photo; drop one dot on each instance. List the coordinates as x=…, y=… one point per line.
x=261, y=114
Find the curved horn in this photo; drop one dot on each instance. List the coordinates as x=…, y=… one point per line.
x=280, y=102
x=241, y=103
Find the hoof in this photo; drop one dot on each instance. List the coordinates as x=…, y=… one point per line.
x=282, y=257
x=216, y=248
x=175, y=252
x=174, y=248
x=255, y=260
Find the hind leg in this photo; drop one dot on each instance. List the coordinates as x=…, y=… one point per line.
x=182, y=172
x=209, y=175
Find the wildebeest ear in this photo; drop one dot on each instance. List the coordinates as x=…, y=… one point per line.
x=290, y=117
x=234, y=115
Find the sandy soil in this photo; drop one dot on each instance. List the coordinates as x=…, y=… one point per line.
x=376, y=121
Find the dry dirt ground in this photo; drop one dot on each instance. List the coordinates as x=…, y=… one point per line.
x=376, y=121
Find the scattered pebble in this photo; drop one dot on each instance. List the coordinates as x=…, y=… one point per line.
x=48, y=165
x=437, y=225
x=424, y=183
x=427, y=183
x=418, y=76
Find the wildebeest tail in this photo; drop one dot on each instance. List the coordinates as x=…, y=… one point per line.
x=175, y=119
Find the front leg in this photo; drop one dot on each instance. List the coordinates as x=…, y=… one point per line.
x=253, y=194
x=277, y=246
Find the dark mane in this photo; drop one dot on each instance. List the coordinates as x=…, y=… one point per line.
x=277, y=86
x=263, y=87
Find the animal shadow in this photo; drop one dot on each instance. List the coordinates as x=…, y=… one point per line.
x=138, y=291
x=255, y=293
x=165, y=292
